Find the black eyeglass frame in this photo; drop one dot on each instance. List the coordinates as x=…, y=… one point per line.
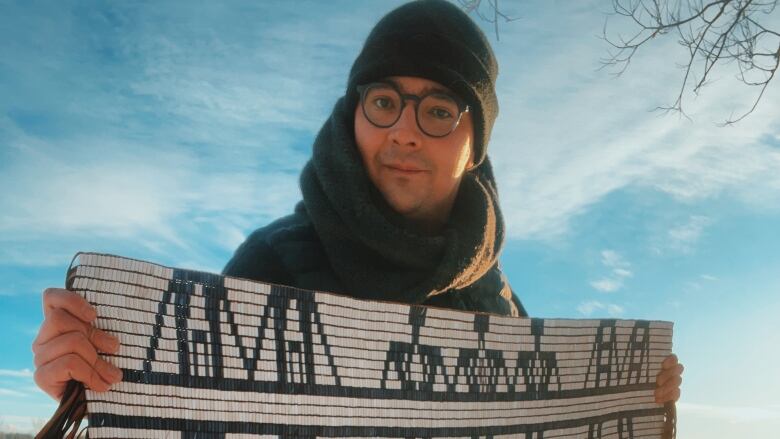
x=363, y=88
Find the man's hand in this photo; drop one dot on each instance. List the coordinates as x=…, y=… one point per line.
x=668, y=380
x=67, y=346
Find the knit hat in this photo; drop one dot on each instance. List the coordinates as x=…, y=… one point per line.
x=435, y=40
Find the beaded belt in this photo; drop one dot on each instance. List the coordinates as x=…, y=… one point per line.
x=210, y=356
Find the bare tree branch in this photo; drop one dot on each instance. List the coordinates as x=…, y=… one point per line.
x=714, y=32
x=496, y=14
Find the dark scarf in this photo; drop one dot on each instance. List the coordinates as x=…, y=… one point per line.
x=373, y=250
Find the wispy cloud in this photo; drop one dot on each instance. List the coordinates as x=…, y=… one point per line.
x=11, y=392
x=691, y=231
x=615, y=260
x=151, y=197
x=607, y=285
x=570, y=135
x=185, y=136
x=595, y=307
x=683, y=238
x=736, y=414
x=18, y=373
x=19, y=395
x=619, y=271
x=21, y=424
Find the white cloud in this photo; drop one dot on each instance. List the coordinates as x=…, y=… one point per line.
x=691, y=231
x=157, y=200
x=587, y=308
x=246, y=69
x=593, y=306
x=615, y=260
x=734, y=414
x=21, y=424
x=607, y=285
x=706, y=421
x=198, y=142
x=10, y=392
x=619, y=269
x=568, y=136
x=19, y=373
x=683, y=237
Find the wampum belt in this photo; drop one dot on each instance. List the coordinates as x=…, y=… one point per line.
x=210, y=356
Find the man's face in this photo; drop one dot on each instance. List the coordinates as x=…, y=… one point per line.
x=417, y=174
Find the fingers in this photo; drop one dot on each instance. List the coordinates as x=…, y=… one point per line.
x=669, y=361
x=75, y=343
x=60, y=322
x=668, y=380
x=52, y=376
x=672, y=383
x=104, y=341
x=665, y=375
x=69, y=343
x=670, y=392
x=72, y=355
x=58, y=298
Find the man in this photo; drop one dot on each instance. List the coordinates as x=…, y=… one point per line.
x=399, y=200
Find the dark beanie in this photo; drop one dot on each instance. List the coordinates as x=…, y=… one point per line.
x=433, y=39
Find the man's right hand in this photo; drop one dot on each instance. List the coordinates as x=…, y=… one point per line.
x=67, y=346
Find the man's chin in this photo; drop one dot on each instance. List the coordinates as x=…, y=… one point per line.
x=404, y=208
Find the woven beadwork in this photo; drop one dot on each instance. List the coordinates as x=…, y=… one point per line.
x=209, y=356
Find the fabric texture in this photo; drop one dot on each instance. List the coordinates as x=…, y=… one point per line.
x=433, y=39
x=344, y=238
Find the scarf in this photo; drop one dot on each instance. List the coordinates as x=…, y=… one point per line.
x=378, y=254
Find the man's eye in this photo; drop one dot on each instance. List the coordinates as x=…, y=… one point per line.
x=440, y=113
x=383, y=103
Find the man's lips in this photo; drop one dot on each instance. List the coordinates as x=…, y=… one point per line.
x=407, y=169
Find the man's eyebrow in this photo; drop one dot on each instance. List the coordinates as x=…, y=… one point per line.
x=425, y=90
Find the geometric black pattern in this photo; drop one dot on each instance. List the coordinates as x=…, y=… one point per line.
x=209, y=356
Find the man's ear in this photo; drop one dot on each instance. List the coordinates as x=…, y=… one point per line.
x=470, y=163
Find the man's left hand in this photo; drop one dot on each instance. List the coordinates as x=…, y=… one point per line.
x=668, y=380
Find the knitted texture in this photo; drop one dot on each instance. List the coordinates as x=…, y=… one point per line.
x=375, y=252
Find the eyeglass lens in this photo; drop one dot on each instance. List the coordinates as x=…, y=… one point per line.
x=437, y=114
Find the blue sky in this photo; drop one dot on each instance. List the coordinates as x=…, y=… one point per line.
x=169, y=132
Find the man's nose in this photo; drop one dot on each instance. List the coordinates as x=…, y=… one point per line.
x=405, y=130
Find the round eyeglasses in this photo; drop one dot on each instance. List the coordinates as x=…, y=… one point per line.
x=437, y=113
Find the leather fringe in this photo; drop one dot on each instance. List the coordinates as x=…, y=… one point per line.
x=670, y=421
x=66, y=420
